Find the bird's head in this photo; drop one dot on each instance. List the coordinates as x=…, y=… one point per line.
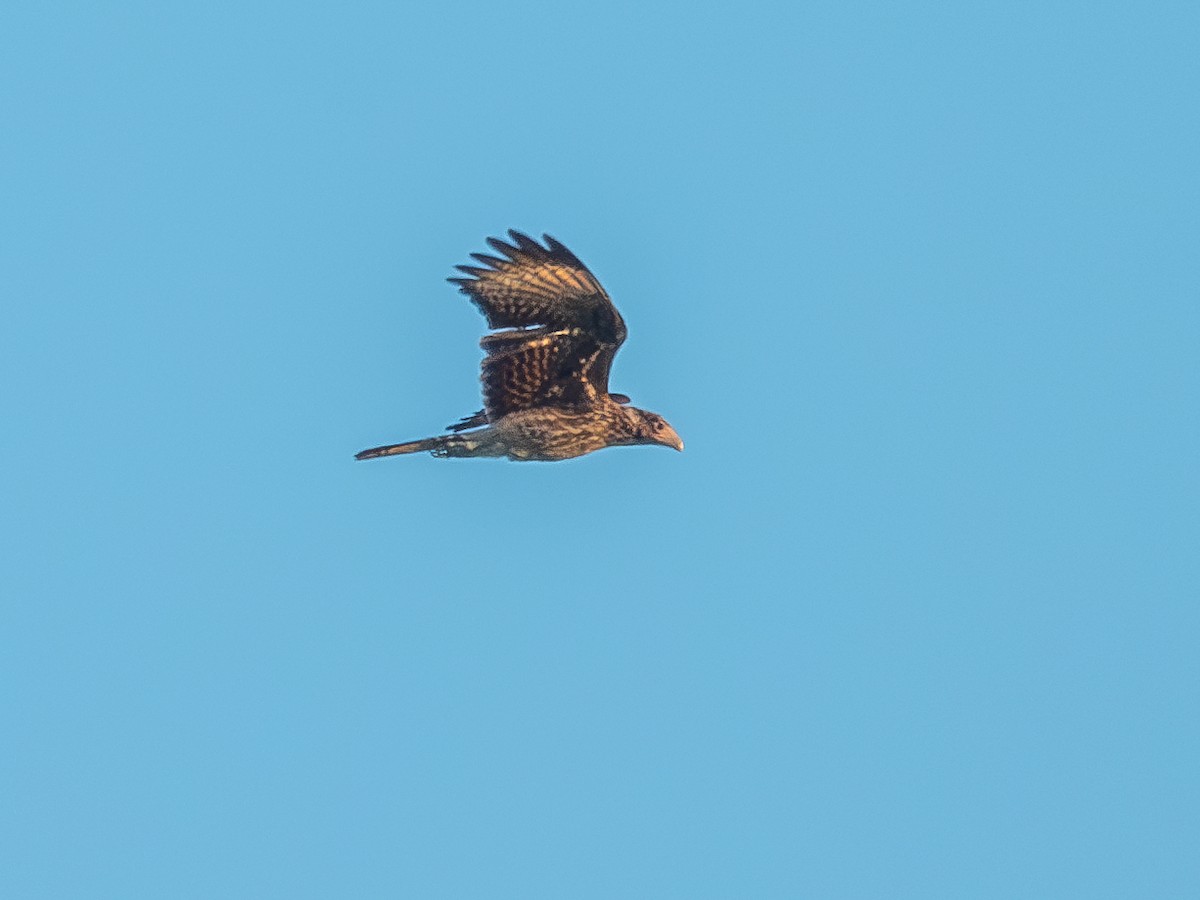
x=651, y=428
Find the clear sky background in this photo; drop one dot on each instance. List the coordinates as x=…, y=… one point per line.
x=914, y=615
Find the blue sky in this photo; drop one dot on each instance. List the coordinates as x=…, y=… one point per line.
x=914, y=615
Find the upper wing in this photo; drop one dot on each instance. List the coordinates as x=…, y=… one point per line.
x=536, y=285
x=566, y=329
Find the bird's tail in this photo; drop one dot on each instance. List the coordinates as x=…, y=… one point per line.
x=434, y=443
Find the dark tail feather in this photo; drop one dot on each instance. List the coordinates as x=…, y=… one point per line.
x=433, y=443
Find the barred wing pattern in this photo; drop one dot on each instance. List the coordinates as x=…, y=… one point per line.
x=562, y=329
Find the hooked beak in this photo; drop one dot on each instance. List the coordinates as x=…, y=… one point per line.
x=670, y=439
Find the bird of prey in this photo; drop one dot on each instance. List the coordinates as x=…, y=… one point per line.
x=546, y=363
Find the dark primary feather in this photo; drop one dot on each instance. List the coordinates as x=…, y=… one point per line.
x=564, y=329
x=475, y=420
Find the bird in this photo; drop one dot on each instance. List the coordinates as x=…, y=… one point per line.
x=544, y=374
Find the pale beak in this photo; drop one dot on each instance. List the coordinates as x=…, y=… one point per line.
x=670, y=439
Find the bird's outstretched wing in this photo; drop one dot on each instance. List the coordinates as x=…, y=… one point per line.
x=562, y=329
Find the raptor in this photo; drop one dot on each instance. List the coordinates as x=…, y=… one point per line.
x=546, y=362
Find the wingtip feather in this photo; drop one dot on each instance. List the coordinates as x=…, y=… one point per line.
x=560, y=251
x=524, y=242
x=493, y=261
x=500, y=247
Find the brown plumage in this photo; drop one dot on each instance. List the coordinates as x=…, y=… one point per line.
x=545, y=372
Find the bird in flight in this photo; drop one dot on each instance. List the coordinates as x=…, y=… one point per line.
x=546, y=364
